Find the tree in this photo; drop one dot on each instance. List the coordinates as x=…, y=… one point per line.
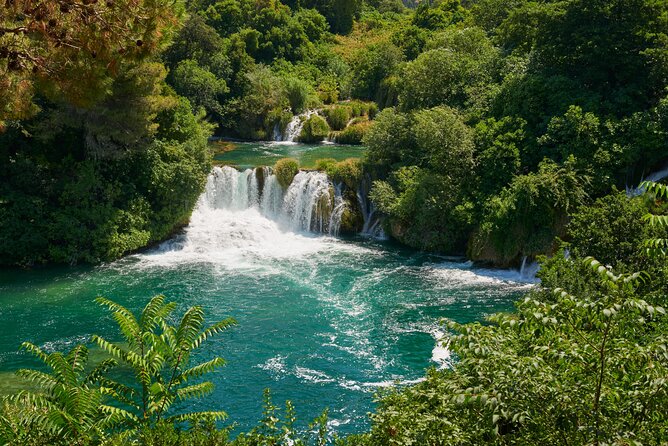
x=67, y=406
x=444, y=143
x=498, y=146
x=159, y=355
x=529, y=213
x=199, y=85
x=459, y=63
x=656, y=246
x=371, y=66
x=45, y=46
x=566, y=368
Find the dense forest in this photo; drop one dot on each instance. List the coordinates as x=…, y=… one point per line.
x=500, y=130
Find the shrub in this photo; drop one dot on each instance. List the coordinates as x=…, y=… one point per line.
x=315, y=129
x=353, y=134
x=348, y=172
x=324, y=163
x=526, y=216
x=285, y=170
x=338, y=116
x=300, y=94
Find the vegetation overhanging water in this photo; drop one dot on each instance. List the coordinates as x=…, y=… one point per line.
x=323, y=321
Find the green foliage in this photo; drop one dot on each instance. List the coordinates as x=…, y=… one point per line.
x=444, y=14
x=324, y=163
x=611, y=229
x=657, y=247
x=498, y=152
x=301, y=95
x=72, y=403
x=460, y=66
x=315, y=129
x=411, y=40
x=565, y=369
x=338, y=116
x=199, y=85
x=525, y=217
x=353, y=134
x=159, y=356
x=348, y=172
x=264, y=96
x=445, y=144
x=67, y=404
x=285, y=170
x=390, y=138
x=91, y=210
x=424, y=209
x=371, y=66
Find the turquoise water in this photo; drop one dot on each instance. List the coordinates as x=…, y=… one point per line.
x=322, y=321
x=250, y=154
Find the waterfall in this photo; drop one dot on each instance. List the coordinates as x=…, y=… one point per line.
x=294, y=128
x=528, y=269
x=372, y=221
x=312, y=203
x=654, y=176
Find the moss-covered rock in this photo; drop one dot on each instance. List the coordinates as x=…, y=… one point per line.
x=352, y=219
x=260, y=177
x=324, y=163
x=348, y=172
x=285, y=170
x=315, y=129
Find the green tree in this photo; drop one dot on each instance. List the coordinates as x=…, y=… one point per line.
x=44, y=46
x=199, y=85
x=567, y=368
x=159, y=355
x=498, y=146
x=67, y=405
x=444, y=143
x=461, y=63
x=525, y=217
x=371, y=66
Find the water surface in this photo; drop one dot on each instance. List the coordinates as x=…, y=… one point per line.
x=322, y=321
x=246, y=155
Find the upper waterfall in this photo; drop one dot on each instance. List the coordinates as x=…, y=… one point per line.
x=294, y=127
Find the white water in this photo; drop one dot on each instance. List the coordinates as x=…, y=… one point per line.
x=294, y=127
x=372, y=223
x=528, y=270
x=240, y=219
x=654, y=176
x=310, y=204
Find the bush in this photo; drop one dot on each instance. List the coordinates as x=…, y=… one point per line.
x=348, y=172
x=338, y=116
x=285, y=170
x=315, y=130
x=353, y=134
x=324, y=163
x=425, y=210
x=300, y=94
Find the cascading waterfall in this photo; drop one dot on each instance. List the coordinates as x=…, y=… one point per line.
x=294, y=127
x=311, y=203
x=372, y=221
x=654, y=176
x=528, y=269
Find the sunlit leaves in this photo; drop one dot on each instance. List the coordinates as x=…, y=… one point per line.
x=159, y=352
